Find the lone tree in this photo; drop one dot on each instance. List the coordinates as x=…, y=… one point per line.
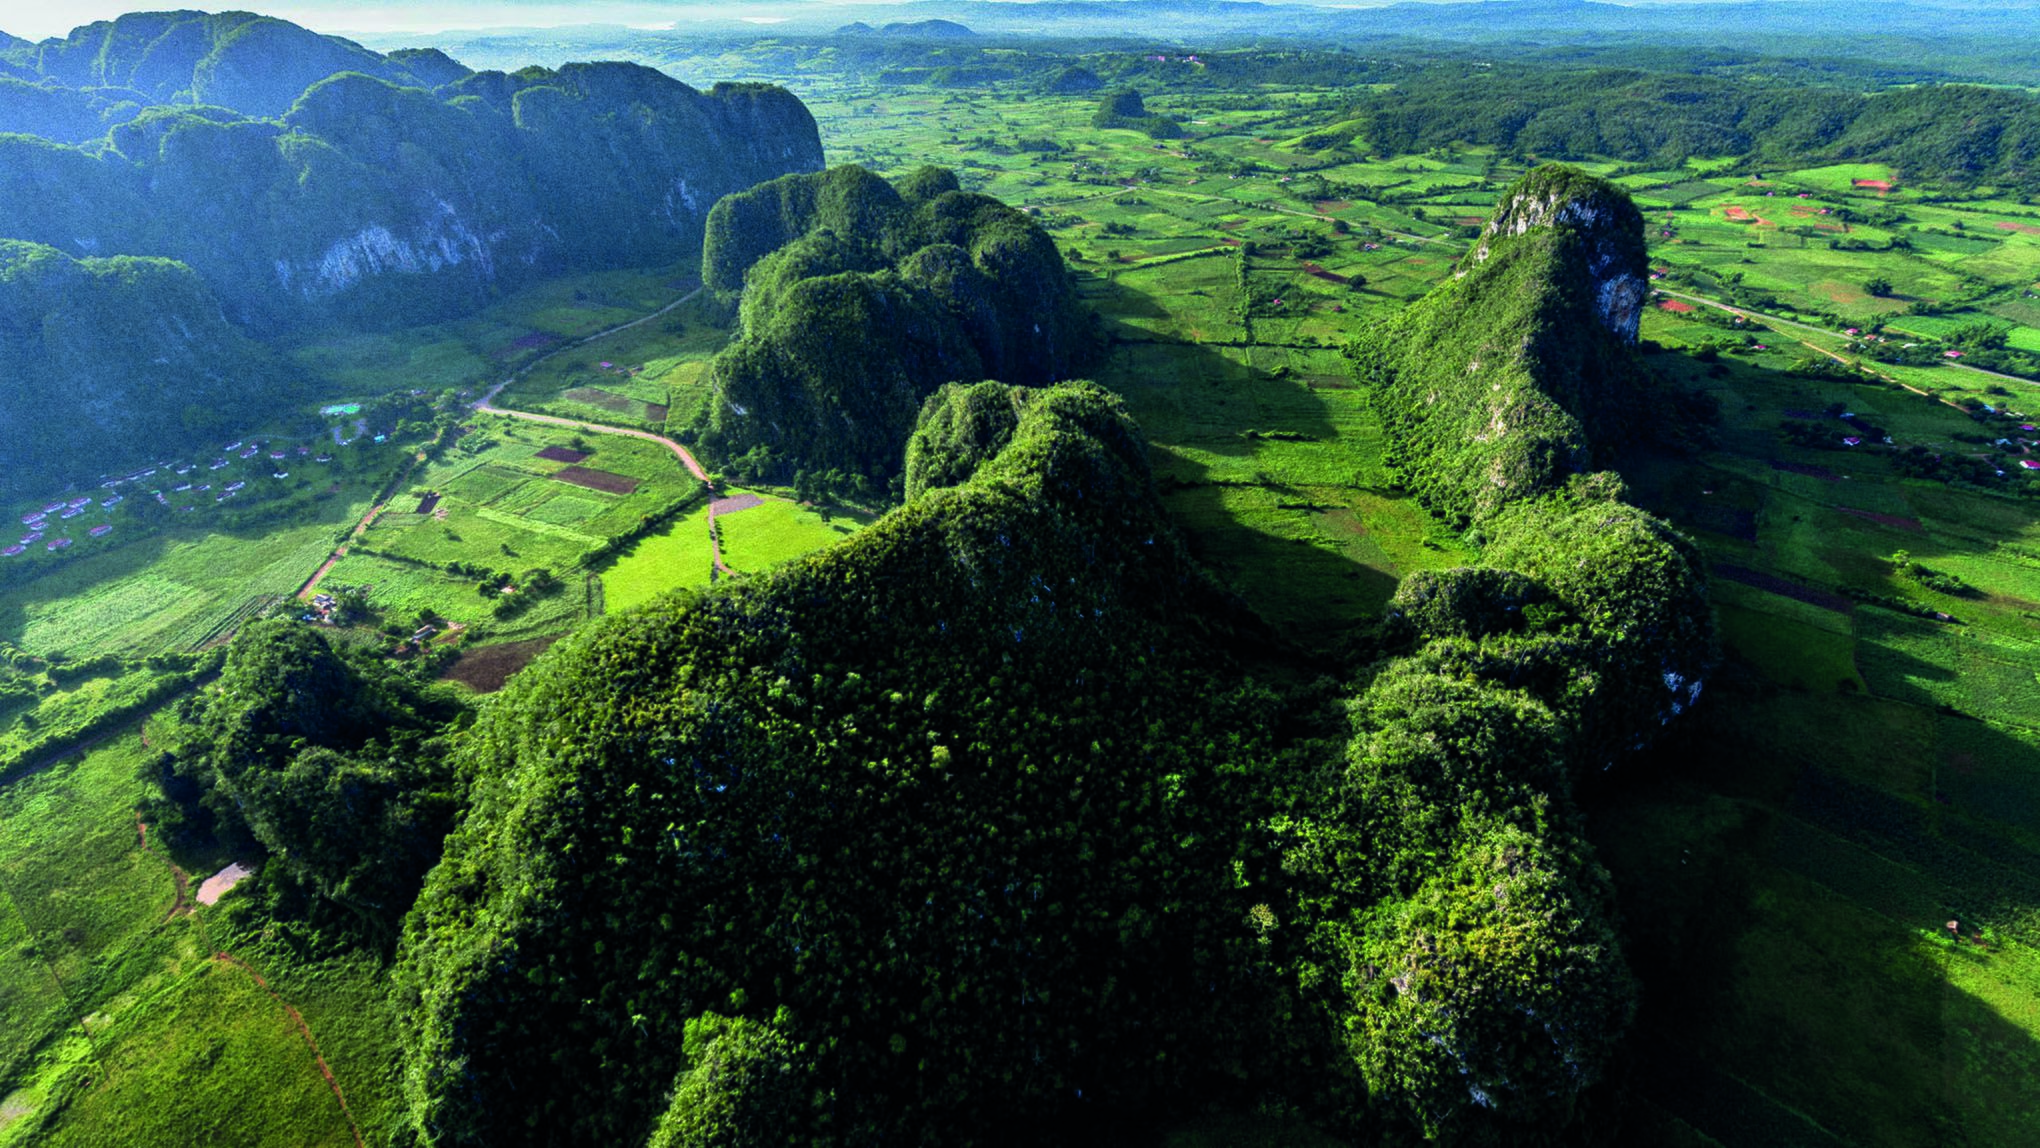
x=1879, y=286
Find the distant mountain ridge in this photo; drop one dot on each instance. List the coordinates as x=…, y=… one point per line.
x=256, y=65
x=280, y=180
x=365, y=196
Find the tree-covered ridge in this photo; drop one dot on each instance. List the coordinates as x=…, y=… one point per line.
x=256, y=65
x=1932, y=133
x=333, y=767
x=860, y=298
x=373, y=200
x=1460, y=929
x=102, y=360
x=954, y=808
x=1521, y=371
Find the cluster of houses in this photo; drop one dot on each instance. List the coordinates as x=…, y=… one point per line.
x=39, y=521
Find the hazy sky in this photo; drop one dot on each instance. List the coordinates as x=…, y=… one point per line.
x=37, y=19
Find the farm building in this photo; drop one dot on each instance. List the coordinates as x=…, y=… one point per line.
x=11, y=551
x=57, y=544
x=100, y=530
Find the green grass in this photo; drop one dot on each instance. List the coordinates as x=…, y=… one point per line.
x=501, y=509
x=214, y=1057
x=161, y=593
x=674, y=557
x=779, y=531
x=118, y=1026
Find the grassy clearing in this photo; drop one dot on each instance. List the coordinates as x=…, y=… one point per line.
x=500, y=508
x=117, y=1024
x=765, y=536
x=214, y=1055
x=674, y=557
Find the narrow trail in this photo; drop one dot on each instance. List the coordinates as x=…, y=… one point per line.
x=183, y=906
x=1776, y=321
x=306, y=1031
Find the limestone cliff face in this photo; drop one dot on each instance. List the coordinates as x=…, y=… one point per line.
x=1609, y=230
x=374, y=202
x=1521, y=372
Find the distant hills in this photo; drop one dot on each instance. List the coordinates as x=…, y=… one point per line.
x=303, y=180
x=915, y=30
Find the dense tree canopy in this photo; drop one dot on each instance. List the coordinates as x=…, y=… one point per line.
x=952, y=805
x=860, y=298
x=336, y=766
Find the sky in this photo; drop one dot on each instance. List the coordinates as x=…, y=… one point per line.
x=39, y=19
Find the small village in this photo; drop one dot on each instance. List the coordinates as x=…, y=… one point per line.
x=177, y=487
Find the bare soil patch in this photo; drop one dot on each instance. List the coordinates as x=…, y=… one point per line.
x=1739, y=214
x=561, y=454
x=1895, y=521
x=428, y=502
x=1676, y=306
x=486, y=669
x=1783, y=588
x=1880, y=186
x=733, y=503
x=1319, y=272
x=656, y=412
x=2021, y=228
x=597, y=479
x=216, y=886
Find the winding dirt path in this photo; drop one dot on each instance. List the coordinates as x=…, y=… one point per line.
x=686, y=457
x=184, y=905
x=306, y=1031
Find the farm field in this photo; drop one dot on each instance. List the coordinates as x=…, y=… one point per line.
x=516, y=496
x=477, y=352
x=649, y=376
x=123, y=1026
x=754, y=540
x=1868, y=769
x=1867, y=776
x=175, y=590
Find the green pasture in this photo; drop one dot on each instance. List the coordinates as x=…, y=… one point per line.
x=117, y=1024
x=647, y=363
x=779, y=531
x=475, y=352
x=501, y=508
x=676, y=556
x=175, y=590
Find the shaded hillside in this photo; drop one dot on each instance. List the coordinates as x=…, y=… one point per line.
x=859, y=299
x=105, y=362
x=374, y=203
x=952, y=808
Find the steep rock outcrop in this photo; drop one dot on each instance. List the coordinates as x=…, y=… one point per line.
x=1521, y=371
x=371, y=202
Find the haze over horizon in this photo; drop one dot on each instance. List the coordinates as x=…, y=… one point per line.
x=34, y=20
